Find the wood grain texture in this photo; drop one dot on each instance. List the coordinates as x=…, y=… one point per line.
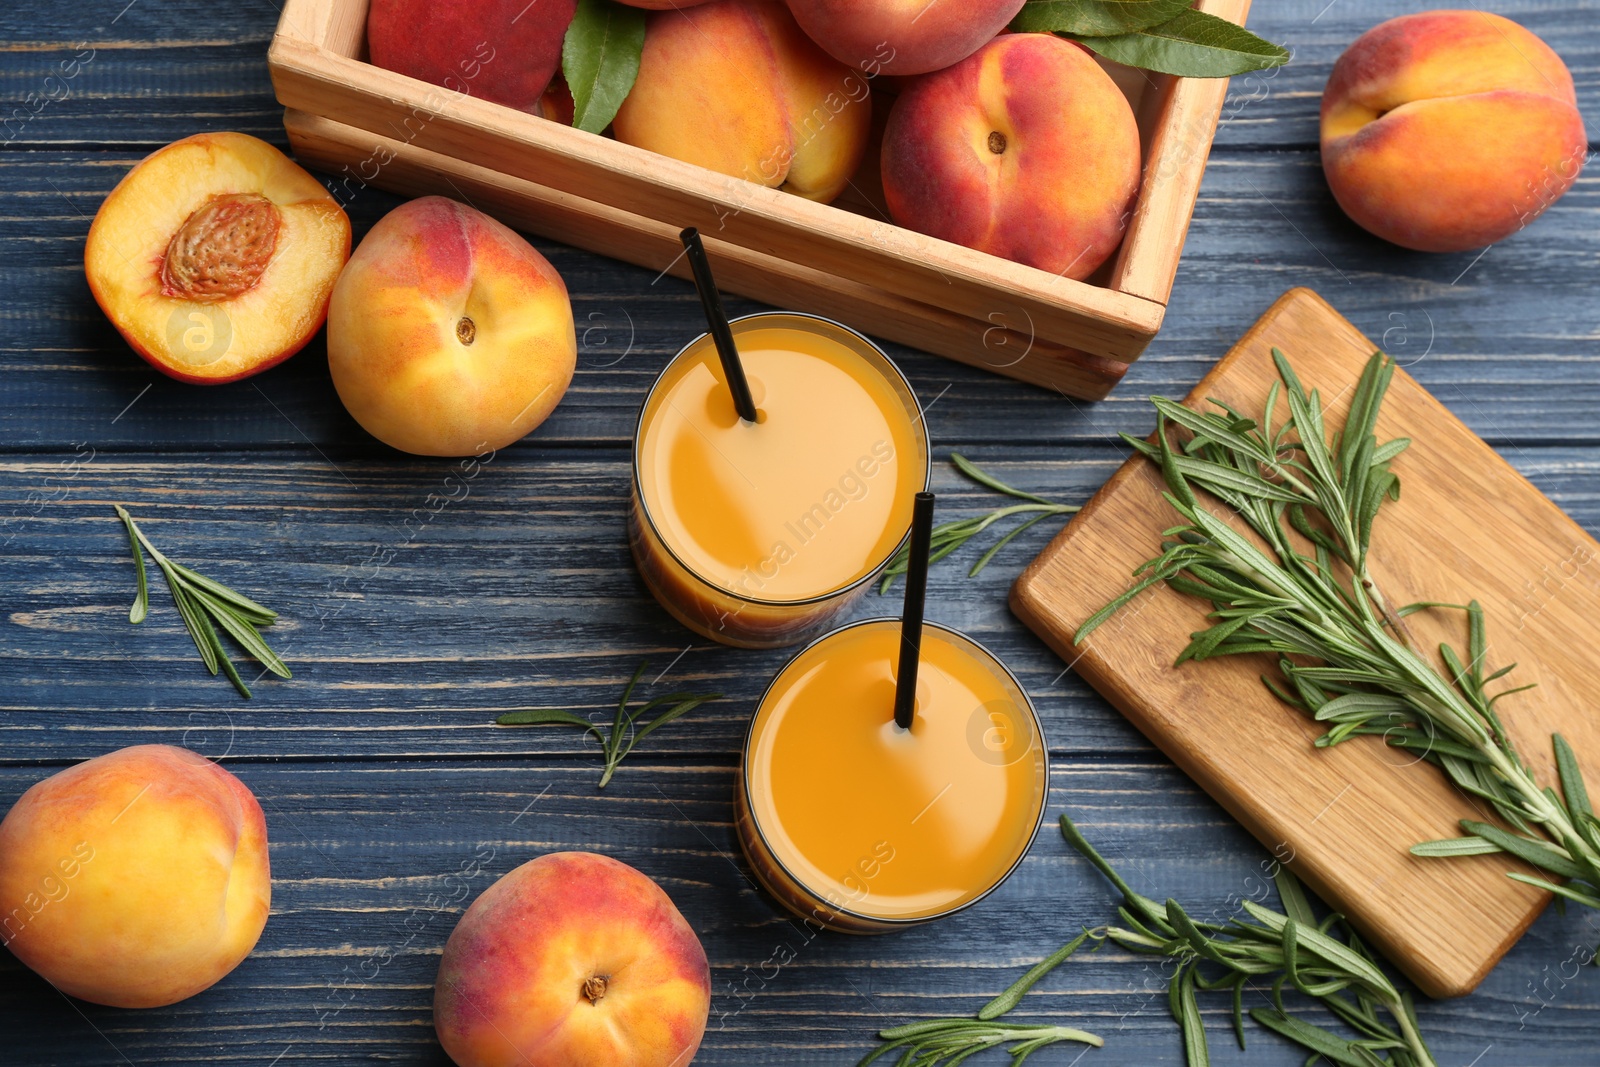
x=376, y=764
x=412, y=622
x=1467, y=526
x=1178, y=120
x=367, y=863
x=1519, y=372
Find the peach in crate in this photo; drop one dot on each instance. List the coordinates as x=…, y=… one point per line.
x=844, y=260
x=214, y=257
x=1026, y=149
x=502, y=50
x=902, y=36
x=786, y=115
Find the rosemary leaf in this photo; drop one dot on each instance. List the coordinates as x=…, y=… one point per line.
x=1575, y=790
x=1014, y=994
x=194, y=621
x=950, y=1041
x=1539, y=853
x=683, y=703
x=242, y=605
x=141, y=600
x=983, y=477
x=1566, y=892
x=1314, y=1038
x=544, y=716
x=240, y=629
x=1186, y=1011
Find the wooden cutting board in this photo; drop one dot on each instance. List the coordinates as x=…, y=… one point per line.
x=1467, y=525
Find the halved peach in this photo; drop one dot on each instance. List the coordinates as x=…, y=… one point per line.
x=215, y=257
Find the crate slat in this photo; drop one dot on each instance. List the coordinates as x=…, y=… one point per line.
x=396, y=132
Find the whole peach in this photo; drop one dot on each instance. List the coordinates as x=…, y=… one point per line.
x=448, y=334
x=1449, y=130
x=736, y=87
x=902, y=36
x=500, y=50
x=136, y=878
x=1026, y=149
x=572, y=960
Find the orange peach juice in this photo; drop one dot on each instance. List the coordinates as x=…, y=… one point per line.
x=761, y=534
x=857, y=825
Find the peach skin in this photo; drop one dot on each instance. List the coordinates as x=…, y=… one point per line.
x=736, y=87
x=448, y=334
x=214, y=257
x=501, y=50
x=1026, y=149
x=135, y=879
x=902, y=36
x=1449, y=130
x=572, y=960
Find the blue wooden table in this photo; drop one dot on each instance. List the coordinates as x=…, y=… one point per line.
x=414, y=611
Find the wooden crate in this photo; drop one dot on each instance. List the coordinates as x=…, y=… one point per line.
x=369, y=126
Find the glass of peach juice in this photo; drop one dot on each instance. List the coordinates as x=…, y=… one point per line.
x=762, y=534
x=859, y=826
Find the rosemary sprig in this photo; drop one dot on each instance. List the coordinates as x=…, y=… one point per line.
x=950, y=1041
x=202, y=602
x=1324, y=960
x=935, y=1041
x=618, y=741
x=1344, y=656
x=949, y=536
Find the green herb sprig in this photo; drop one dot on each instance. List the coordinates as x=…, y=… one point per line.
x=201, y=602
x=950, y=1041
x=1287, y=950
x=1167, y=36
x=625, y=731
x=949, y=536
x=1344, y=656
x=1324, y=960
x=935, y=1041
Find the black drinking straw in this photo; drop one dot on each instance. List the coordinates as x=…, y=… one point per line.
x=717, y=321
x=905, y=686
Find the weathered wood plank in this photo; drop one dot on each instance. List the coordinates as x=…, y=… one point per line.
x=365, y=854
x=1520, y=367
x=409, y=631
x=522, y=591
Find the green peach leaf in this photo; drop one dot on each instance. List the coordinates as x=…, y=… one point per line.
x=1095, y=18
x=1193, y=45
x=600, y=60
